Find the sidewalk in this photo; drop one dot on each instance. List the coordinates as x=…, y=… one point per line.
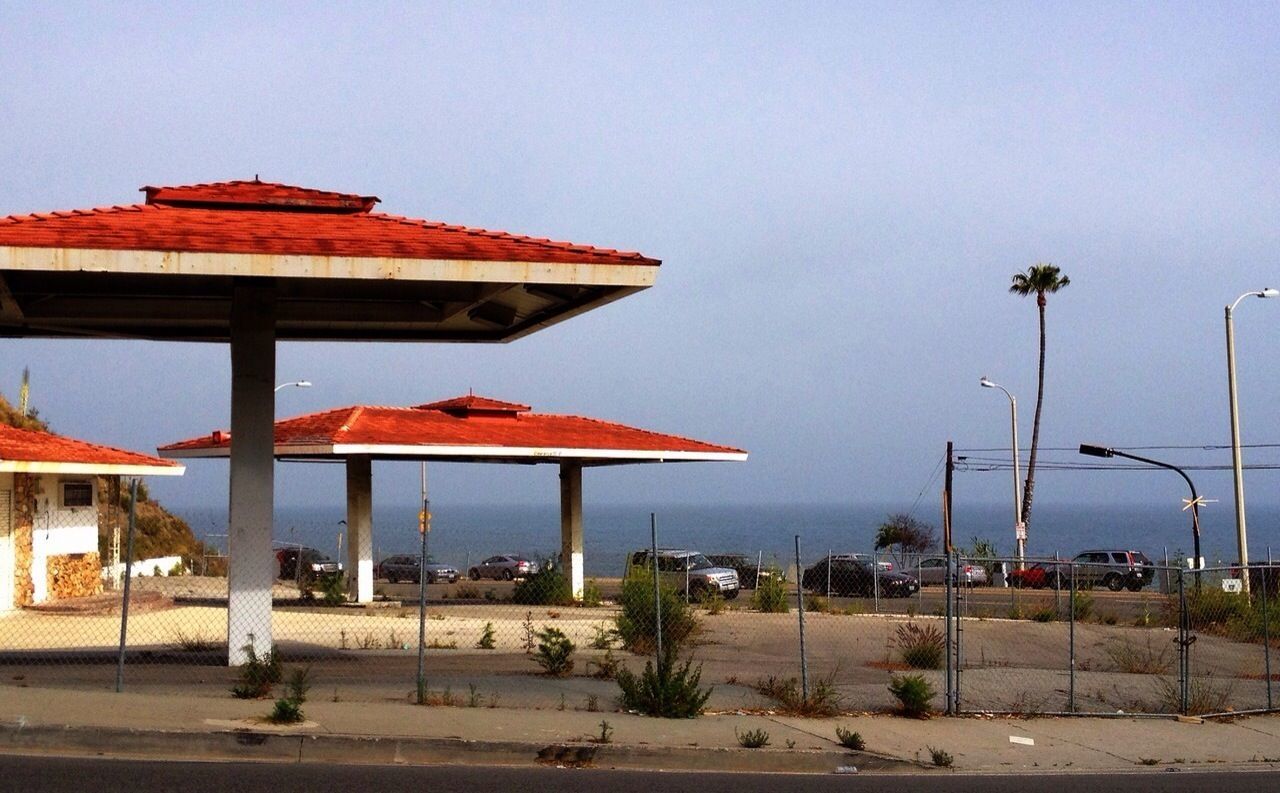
x=57, y=721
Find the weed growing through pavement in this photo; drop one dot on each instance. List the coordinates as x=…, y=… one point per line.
x=606, y=733
x=473, y=698
x=850, y=739
x=823, y=700
x=940, y=757
x=921, y=647
x=555, y=652
x=530, y=635
x=258, y=675
x=192, y=643
x=752, y=739
x=603, y=638
x=1138, y=659
x=486, y=641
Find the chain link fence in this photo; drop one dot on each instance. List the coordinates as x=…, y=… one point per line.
x=801, y=632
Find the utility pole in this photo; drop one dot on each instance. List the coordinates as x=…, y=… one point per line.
x=946, y=499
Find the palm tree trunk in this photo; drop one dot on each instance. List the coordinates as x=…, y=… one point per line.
x=1029, y=489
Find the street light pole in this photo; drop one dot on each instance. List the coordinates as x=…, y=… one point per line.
x=1019, y=530
x=1103, y=451
x=297, y=383
x=1237, y=466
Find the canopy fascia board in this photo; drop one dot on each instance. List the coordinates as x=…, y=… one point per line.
x=91, y=469
x=479, y=453
x=147, y=262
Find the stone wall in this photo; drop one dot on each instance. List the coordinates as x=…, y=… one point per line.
x=24, y=501
x=74, y=575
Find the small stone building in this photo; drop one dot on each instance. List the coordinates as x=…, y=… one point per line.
x=49, y=512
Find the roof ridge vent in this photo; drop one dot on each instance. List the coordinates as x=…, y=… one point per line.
x=267, y=196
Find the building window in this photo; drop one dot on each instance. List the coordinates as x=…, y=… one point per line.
x=77, y=494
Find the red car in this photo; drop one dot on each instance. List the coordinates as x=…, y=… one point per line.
x=1039, y=576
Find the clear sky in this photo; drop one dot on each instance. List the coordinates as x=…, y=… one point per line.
x=839, y=195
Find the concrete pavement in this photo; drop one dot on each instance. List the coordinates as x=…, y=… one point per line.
x=60, y=721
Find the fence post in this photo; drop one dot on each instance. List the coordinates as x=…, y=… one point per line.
x=946, y=595
x=875, y=579
x=759, y=561
x=804, y=666
x=919, y=584
x=828, y=572
x=424, y=528
x=957, y=589
x=657, y=589
x=1071, y=642
x=1266, y=633
x=1184, y=665
x=128, y=580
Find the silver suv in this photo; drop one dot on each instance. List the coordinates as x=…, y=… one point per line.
x=686, y=572
x=1116, y=570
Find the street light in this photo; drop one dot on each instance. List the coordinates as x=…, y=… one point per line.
x=297, y=383
x=1237, y=467
x=1019, y=529
x=1103, y=451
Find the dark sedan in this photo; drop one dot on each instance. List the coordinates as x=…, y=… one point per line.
x=747, y=568
x=853, y=577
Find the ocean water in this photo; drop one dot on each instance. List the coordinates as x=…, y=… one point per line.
x=464, y=533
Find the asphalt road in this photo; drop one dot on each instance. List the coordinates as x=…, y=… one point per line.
x=81, y=775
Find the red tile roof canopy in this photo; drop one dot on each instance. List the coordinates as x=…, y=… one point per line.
x=34, y=451
x=468, y=428
x=264, y=217
x=167, y=268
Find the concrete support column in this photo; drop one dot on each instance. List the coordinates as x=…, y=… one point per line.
x=252, y=564
x=571, y=525
x=360, y=528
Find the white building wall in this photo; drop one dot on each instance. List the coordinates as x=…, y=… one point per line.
x=59, y=530
x=8, y=573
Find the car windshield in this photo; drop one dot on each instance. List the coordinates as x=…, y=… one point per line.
x=699, y=562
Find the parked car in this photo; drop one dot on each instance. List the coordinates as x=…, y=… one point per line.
x=314, y=563
x=404, y=567
x=1114, y=569
x=883, y=564
x=746, y=567
x=686, y=572
x=503, y=566
x=1053, y=575
x=934, y=571
x=854, y=577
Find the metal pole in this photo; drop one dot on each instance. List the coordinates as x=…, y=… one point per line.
x=424, y=528
x=1019, y=531
x=1184, y=668
x=919, y=586
x=128, y=581
x=804, y=666
x=828, y=573
x=1071, y=644
x=759, y=561
x=946, y=589
x=1167, y=586
x=657, y=590
x=957, y=588
x=1266, y=633
x=875, y=579
x=1237, y=467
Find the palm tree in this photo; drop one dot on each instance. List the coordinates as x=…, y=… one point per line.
x=1040, y=279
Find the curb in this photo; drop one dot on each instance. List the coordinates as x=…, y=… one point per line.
x=279, y=747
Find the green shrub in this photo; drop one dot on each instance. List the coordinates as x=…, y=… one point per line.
x=921, y=647
x=258, y=675
x=547, y=587
x=771, y=596
x=607, y=666
x=603, y=637
x=712, y=601
x=1083, y=603
x=555, y=652
x=817, y=604
x=486, y=640
x=669, y=691
x=752, y=739
x=940, y=757
x=591, y=594
x=1045, y=614
x=914, y=694
x=850, y=740
x=286, y=711
x=299, y=685
x=1135, y=659
x=333, y=589
x=637, y=621
x=824, y=698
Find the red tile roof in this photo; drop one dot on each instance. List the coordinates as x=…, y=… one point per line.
x=34, y=446
x=465, y=421
x=263, y=217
